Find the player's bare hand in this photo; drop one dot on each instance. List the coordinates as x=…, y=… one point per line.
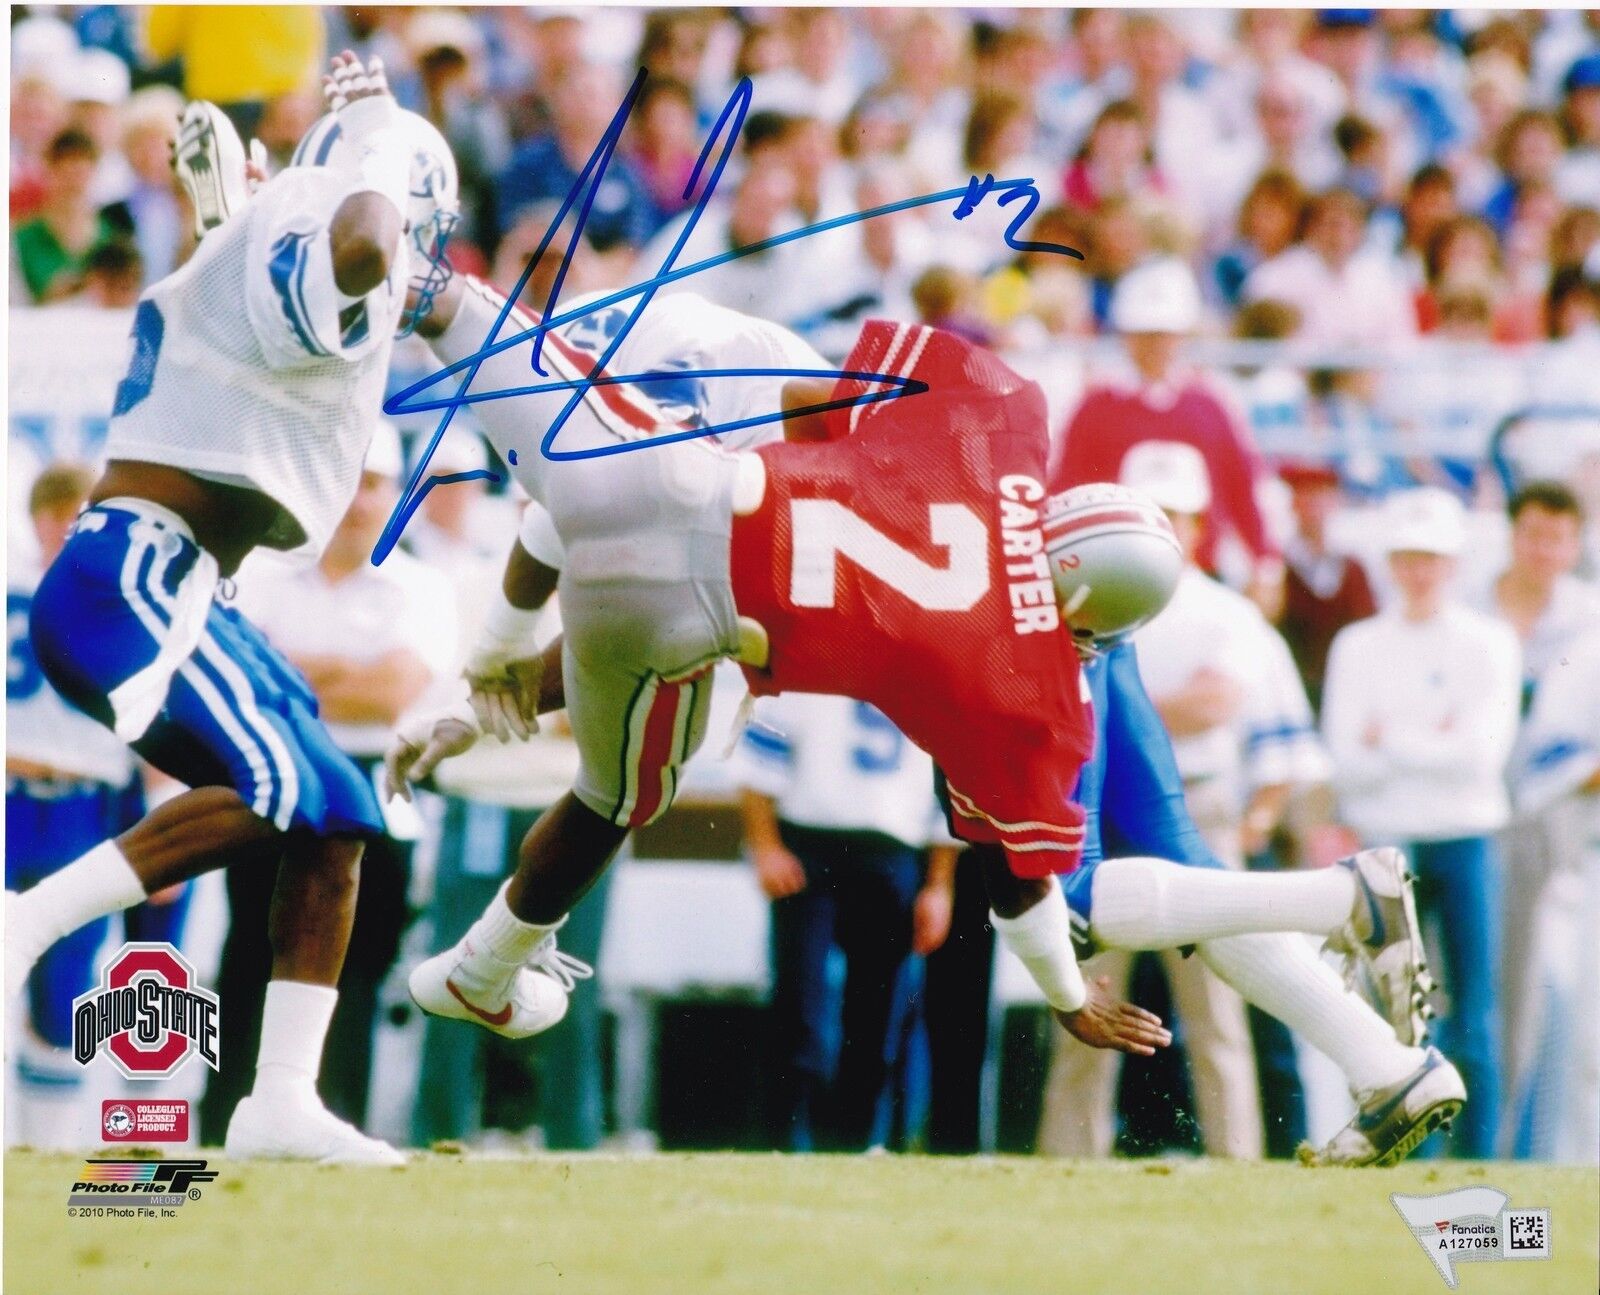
x=930, y=919
x=1107, y=1022
x=779, y=872
x=348, y=81
x=506, y=699
x=419, y=746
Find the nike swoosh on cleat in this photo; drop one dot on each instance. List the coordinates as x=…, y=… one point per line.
x=1369, y=1120
x=502, y=1017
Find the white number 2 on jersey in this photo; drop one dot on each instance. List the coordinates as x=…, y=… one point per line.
x=825, y=530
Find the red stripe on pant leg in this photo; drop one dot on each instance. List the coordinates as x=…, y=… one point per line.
x=655, y=753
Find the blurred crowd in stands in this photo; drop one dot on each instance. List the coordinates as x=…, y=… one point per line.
x=1330, y=260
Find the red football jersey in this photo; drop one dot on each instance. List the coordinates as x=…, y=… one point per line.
x=902, y=563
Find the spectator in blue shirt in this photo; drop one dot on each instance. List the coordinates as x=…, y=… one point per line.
x=582, y=104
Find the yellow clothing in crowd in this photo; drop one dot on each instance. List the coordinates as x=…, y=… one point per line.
x=238, y=53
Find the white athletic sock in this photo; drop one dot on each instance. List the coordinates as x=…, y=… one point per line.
x=294, y=1026
x=94, y=885
x=1281, y=974
x=499, y=942
x=1153, y=904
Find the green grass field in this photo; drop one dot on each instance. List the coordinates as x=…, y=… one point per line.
x=744, y=1223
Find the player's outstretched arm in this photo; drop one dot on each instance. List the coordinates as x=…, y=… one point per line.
x=364, y=236
x=1030, y=915
x=363, y=239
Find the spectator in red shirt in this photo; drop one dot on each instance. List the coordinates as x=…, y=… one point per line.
x=1154, y=307
x=1324, y=590
x=1116, y=160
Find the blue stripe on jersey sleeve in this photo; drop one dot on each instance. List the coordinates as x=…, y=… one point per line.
x=765, y=742
x=327, y=144
x=330, y=133
x=287, y=271
x=353, y=325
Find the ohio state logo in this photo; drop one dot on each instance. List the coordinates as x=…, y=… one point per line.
x=148, y=1012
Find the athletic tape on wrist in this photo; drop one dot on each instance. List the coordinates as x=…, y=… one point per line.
x=1041, y=939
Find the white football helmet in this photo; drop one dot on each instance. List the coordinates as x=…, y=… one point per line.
x=1114, y=559
x=432, y=210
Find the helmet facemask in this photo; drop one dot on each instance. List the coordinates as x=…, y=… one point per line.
x=428, y=241
x=431, y=219
x=429, y=206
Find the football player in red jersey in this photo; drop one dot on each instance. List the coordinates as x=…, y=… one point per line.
x=893, y=552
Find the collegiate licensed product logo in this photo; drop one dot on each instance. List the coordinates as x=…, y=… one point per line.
x=141, y=1121
x=117, y=1120
x=148, y=1012
x=136, y=1188
x=1473, y=1225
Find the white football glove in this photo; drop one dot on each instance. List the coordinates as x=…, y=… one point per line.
x=348, y=81
x=421, y=743
x=505, y=692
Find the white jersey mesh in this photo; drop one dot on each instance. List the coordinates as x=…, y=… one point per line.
x=674, y=335
x=680, y=333
x=250, y=369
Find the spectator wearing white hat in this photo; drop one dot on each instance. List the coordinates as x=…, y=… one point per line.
x=1154, y=308
x=1223, y=680
x=369, y=641
x=1420, y=713
x=97, y=84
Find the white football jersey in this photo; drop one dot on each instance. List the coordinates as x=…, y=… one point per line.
x=683, y=333
x=251, y=368
x=674, y=337
x=839, y=764
x=40, y=726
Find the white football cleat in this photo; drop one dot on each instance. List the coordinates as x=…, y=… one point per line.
x=523, y=1001
x=1390, y=1123
x=286, y=1128
x=1382, y=942
x=208, y=159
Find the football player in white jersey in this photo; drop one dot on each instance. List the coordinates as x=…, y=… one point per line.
x=254, y=388
x=69, y=785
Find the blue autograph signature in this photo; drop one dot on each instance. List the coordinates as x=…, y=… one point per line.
x=728, y=125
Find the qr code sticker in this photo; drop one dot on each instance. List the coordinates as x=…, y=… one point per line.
x=1527, y=1234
